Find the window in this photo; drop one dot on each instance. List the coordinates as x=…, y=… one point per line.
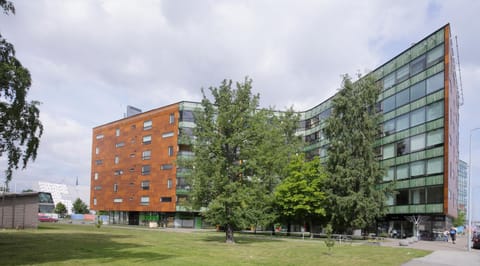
x=144, y=200
x=390, y=175
x=99, y=136
x=388, y=151
x=169, y=183
x=167, y=135
x=187, y=116
x=99, y=162
x=417, y=142
x=118, y=172
x=417, y=196
x=170, y=150
x=402, y=73
x=435, y=138
x=402, y=197
x=402, y=98
x=417, y=117
x=115, y=187
x=120, y=144
x=147, y=139
x=435, y=166
x=97, y=150
x=390, y=200
x=403, y=147
x=166, y=166
x=117, y=132
x=388, y=81
x=97, y=188
x=417, y=65
x=435, y=110
x=166, y=199
x=388, y=104
x=172, y=118
x=402, y=122
x=417, y=168
x=94, y=201
x=435, y=83
x=145, y=169
x=146, y=155
x=417, y=91
x=389, y=127
x=147, y=125
x=117, y=200
x=117, y=159
x=402, y=171
x=145, y=185
x=435, y=55
x=434, y=194
x=95, y=176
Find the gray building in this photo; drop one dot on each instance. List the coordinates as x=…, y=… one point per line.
x=19, y=211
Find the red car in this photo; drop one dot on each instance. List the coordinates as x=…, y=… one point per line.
x=47, y=219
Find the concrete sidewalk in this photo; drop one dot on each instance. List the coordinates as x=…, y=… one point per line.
x=444, y=253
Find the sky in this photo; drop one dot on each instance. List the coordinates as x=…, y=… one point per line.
x=90, y=59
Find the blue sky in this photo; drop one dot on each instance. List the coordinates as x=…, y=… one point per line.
x=90, y=59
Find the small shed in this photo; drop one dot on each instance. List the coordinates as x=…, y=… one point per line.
x=19, y=210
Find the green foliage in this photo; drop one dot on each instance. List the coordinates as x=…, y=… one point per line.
x=60, y=209
x=460, y=220
x=98, y=223
x=79, y=207
x=240, y=156
x=28, y=190
x=329, y=242
x=20, y=127
x=301, y=194
x=355, y=200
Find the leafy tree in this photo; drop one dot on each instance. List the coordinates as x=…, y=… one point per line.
x=60, y=209
x=20, y=127
x=300, y=195
x=460, y=220
x=228, y=174
x=355, y=199
x=79, y=207
x=28, y=190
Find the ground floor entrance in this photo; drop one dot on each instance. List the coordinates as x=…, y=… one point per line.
x=425, y=227
x=157, y=219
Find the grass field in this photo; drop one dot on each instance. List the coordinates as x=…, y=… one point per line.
x=62, y=244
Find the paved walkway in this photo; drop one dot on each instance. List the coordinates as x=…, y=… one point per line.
x=444, y=253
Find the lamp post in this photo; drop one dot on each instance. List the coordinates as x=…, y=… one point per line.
x=469, y=240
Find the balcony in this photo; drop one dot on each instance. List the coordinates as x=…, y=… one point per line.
x=418, y=208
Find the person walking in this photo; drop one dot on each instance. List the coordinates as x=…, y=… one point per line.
x=453, y=234
x=445, y=235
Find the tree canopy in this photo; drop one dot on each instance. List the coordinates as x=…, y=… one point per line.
x=20, y=126
x=79, y=207
x=301, y=194
x=354, y=172
x=240, y=153
x=60, y=209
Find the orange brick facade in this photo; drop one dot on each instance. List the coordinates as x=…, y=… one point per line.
x=133, y=163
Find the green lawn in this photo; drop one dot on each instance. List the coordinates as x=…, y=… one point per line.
x=60, y=244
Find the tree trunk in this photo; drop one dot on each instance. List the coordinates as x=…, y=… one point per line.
x=310, y=224
x=229, y=234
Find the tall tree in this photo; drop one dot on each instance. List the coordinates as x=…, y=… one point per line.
x=79, y=207
x=227, y=172
x=301, y=194
x=353, y=170
x=20, y=126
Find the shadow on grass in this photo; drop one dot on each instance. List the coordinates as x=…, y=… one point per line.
x=52, y=245
x=240, y=239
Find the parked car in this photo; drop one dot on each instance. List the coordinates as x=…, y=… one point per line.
x=476, y=240
x=47, y=219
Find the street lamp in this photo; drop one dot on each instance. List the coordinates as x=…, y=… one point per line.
x=469, y=240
